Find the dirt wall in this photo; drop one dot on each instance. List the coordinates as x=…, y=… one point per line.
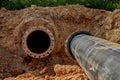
x=62, y=21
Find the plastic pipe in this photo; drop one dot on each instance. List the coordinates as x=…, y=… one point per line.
x=100, y=59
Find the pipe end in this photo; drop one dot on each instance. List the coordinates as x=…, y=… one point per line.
x=69, y=40
x=38, y=42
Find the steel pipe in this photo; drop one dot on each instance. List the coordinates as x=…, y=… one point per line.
x=100, y=59
x=38, y=42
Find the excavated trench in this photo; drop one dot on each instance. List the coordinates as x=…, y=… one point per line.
x=32, y=40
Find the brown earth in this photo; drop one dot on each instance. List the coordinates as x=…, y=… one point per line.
x=62, y=21
x=65, y=72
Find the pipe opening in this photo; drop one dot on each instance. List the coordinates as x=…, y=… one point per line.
x=38, y=41
x=70, y=38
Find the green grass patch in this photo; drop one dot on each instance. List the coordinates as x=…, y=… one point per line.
x=99, y=4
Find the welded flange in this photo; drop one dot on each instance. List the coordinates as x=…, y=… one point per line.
x=38, y=42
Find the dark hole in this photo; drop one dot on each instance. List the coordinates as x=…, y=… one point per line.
x=38, y=41
x=27, y=59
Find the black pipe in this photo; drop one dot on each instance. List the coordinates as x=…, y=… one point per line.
x=100, y=59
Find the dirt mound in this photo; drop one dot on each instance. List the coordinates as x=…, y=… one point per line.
x=63, y=72
x=61, y=21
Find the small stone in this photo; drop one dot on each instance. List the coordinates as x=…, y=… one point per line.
x=44, y=70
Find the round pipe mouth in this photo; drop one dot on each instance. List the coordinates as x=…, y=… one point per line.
x=38, y=42
x=69, y=40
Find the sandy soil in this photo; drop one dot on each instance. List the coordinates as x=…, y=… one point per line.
x=62, y=21
x=63, y=72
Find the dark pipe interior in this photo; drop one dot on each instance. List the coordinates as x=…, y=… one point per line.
x=38, y=41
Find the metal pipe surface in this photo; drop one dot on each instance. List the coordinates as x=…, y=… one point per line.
x=38, y=42
x=100, y=59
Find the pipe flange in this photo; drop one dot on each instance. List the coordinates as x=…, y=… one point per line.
x=30, y=33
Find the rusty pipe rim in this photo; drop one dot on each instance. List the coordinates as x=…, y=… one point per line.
x=45, y=31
